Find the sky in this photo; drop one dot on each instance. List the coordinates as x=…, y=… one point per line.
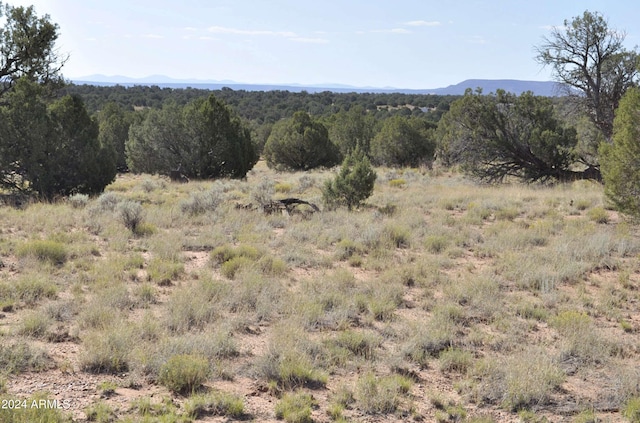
x=413, y=44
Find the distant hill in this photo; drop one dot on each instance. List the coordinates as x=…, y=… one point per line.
x=543, y=88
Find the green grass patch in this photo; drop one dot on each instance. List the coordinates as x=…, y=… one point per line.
x=295, y=407
x=44, y=250
x=598, y=215
x=184, y=373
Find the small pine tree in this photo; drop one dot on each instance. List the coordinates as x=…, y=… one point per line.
x=353, y=184
x=620, y=161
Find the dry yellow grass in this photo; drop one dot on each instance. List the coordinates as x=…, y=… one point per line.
x=448, y=299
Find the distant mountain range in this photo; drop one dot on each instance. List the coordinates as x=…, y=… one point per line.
x=543, y=88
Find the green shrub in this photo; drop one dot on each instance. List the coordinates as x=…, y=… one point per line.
x=214, y=403
x=295, y=407
x=300, y=142
x=507, y=213
x=529, y=379
x=353, y=184
x=184, y=373
x=290, y=360
x=50, y=251
x=271, y=266
x=583, y=203
x=586, y=416
x=598, y=215
x=231, y=267
x=631, y=410
x=397, y=183
x=283, y=187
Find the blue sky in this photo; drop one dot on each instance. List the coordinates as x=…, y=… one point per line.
x=375, y=43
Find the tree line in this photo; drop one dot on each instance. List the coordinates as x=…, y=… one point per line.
x=58, y=139
x=266, y=106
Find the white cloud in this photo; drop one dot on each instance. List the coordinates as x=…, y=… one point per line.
x=477, y=39
x=310, y=40
x=153, y=36
x=235, y=31
x=423, y=23
x=391, y=31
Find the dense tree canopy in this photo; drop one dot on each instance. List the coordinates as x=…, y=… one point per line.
x=495, y=136
x=403, y=142
x=51, y=150
x=204, y=139
x=27, y=48
x=114, y=122
x=352, y=128
x=620, y=162
x=300, y=143
x=589, y=56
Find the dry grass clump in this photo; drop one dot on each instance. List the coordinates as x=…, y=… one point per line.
x=260, y=296
x=34, y=324
x=20, y=356
x=381, y=395
x=292, y=360
x=214, y=403
x=202, y=202
x=581, y=340
x=108, y=350
x=30, y=288
x=522, y=380
x=188, y=309
x=44, y=250
x=433, y=337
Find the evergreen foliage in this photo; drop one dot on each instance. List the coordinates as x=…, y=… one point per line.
x=203, y=139
x=50, y=150
x=403, y=142
x=353, y=184
x=496, y=136
x=300, y=143
x=620, y=161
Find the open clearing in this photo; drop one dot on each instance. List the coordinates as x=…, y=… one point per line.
x=441, y=300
